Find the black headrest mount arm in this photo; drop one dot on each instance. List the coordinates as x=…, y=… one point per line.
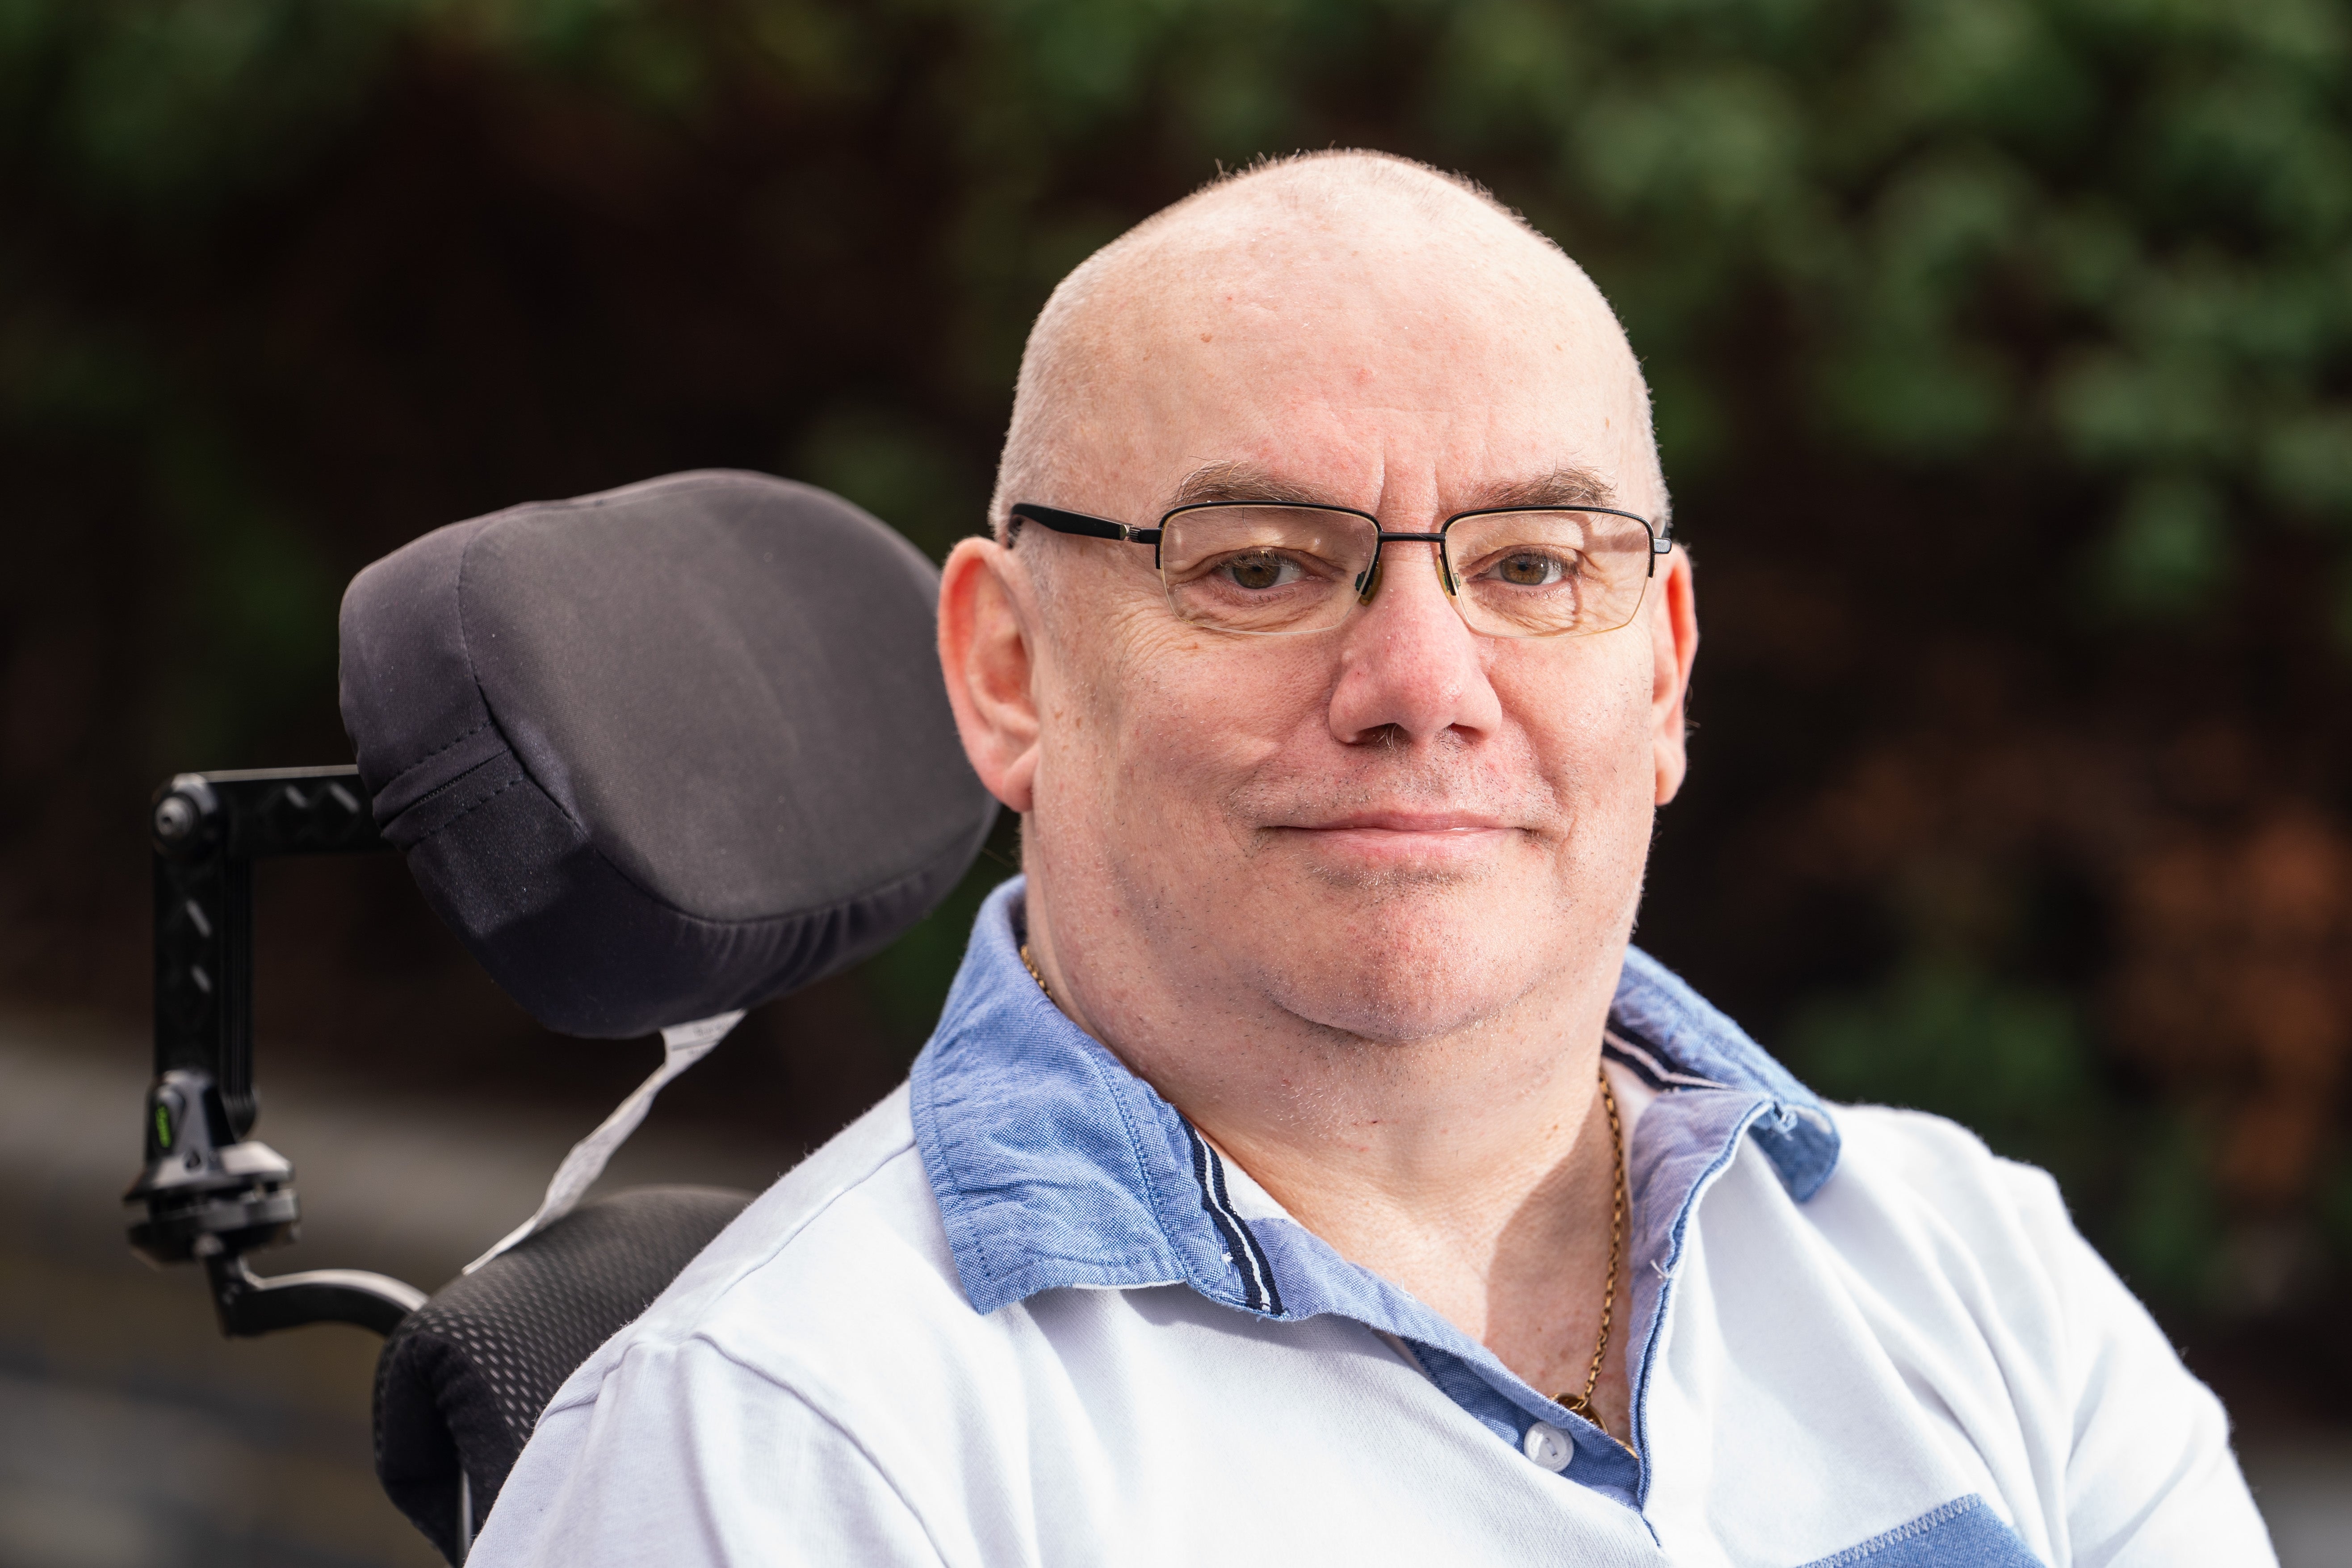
x=206, y=1189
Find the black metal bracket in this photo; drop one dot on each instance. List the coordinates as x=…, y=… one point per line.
x=207, y=1190
x=208, y=829
x=249, y=1305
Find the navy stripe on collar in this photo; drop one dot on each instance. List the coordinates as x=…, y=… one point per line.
x=1242, y=1248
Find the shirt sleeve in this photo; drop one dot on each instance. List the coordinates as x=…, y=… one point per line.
x=2150, y=1478
x=685, y=1458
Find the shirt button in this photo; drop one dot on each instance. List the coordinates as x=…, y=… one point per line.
x=1548, y=1446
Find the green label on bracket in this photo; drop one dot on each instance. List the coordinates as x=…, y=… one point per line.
x=163, y=1128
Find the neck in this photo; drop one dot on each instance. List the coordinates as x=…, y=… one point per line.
x=1473, y=1167
x=1449, y=1137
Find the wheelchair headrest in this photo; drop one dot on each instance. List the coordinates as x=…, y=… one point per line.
x=665, y=752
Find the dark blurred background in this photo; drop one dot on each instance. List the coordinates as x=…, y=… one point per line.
x=2003, y=360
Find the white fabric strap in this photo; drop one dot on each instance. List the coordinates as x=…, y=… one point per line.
x=683, y=1045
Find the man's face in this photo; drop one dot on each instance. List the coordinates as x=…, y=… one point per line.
x=1398, y=828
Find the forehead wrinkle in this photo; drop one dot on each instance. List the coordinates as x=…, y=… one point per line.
x=1567, y=486
x=1365, y=368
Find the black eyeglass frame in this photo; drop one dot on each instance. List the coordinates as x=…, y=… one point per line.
x=1085, y=527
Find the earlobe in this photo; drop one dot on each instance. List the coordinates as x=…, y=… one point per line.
x=1673, y=642
x=986, y=657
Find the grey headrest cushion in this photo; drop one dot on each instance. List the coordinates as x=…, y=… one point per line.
x=663, y=752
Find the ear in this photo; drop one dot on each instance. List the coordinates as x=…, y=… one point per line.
x=1674, y=643
x=987, y=653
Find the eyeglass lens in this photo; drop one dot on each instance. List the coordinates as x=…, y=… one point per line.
x=1276, y=570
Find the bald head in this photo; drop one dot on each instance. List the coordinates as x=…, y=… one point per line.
x=1369, y=258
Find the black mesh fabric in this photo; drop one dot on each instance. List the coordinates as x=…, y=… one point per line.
x=469, y=1371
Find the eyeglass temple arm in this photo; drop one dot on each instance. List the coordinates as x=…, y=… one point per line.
x=1079, y=523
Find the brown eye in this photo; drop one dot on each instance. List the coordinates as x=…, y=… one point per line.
x=1259, y=570
x=1529, y=568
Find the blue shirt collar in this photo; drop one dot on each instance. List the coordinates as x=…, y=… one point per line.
x=1678, y=1039
x=1054, y=1166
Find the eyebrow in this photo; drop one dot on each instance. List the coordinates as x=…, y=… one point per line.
x=1565, y=487
x=1215, y=482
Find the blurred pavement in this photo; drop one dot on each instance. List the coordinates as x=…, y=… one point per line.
x=132, y=1435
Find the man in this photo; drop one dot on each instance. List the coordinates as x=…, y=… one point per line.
x=1305, y=1169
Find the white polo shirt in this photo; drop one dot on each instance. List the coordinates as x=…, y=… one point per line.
x=1021, y=1313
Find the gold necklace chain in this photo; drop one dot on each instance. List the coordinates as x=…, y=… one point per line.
x=1579, y=1404
x=1582, y=1404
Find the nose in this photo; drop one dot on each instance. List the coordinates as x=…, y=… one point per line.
x=1409, y=667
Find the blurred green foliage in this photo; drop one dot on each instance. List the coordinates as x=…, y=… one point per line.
x=2107, y=236
x=2011, y=1062
x=1971, y=323
x=2016, y=1064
